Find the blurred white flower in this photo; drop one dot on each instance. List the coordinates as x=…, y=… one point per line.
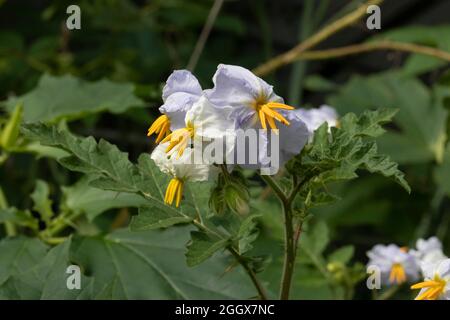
x=396, y=264
x=428, y=252
x=314, y=118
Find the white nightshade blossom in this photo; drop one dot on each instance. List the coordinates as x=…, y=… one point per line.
x=314, y=118
x=181, y=91
x=181, y=169
x=203, y=123
x=436, y=284
x=395, y=263
x=254, y=105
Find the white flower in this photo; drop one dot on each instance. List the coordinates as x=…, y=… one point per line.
x=254, y=104
x=203, y=123
x=437, y=282
x=428, y=252
x=314, y=118
x=395, y=263
x=179, y=94
x=181, y=169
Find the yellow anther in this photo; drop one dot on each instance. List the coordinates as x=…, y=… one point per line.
x=161, y=126
x=174, y=191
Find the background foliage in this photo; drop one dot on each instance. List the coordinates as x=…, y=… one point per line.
x=105, y=81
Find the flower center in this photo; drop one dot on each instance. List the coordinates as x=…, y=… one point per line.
x=398, y=274
x=179, y=139
x=174, y=192
x=161, y=126
x=433, y=288
x=267, y=114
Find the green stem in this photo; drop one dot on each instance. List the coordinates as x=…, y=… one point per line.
x=289, y=252
x=275, y=188
x=10, y=228
x=261, y=291
x=290, y=239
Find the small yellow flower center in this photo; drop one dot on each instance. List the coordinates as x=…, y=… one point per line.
x=267, y=114
x=398, y=274
x=433, y=288
x=161, y=126
x=174, y=192
x=180, y=138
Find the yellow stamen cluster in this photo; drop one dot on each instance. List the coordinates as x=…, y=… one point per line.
x=434, y=288
x=174, y=192
x=267, y=114
x=179, y=139
x=161, y=126
x=397, y=274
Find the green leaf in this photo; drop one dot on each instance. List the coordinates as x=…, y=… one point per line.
x=421, y=120
x=316, y=239
x=42, y=203
x=71, y=98
x=431, y=36
x=18, y=255
x=113, y=170
x=150, y=265
x=46, y=279
x=81, y=197
x=247, y=233
x=368, y=124
x=342, y=255
x=22, y=218
x=202, y=247
x=338, y=155
x=441, y=173
x=10, y=132
x=157, y=217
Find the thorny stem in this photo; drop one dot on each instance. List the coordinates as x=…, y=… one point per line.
x=324, y=33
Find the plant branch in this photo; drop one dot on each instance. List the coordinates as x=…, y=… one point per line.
x=323, y=34
x=204, y=34
x=373, y=46
x=275, y=187
x=261, y=291
x=10, y=228
x=289, y=253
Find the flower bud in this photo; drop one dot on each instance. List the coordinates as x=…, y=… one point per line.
x=236, y=198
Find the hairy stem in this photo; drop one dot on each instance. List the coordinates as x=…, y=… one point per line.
x=323, y=34
x=275, y=188
x=289, y=253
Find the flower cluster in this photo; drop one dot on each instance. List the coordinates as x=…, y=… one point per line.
x=400, y=264
x=194, y=119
